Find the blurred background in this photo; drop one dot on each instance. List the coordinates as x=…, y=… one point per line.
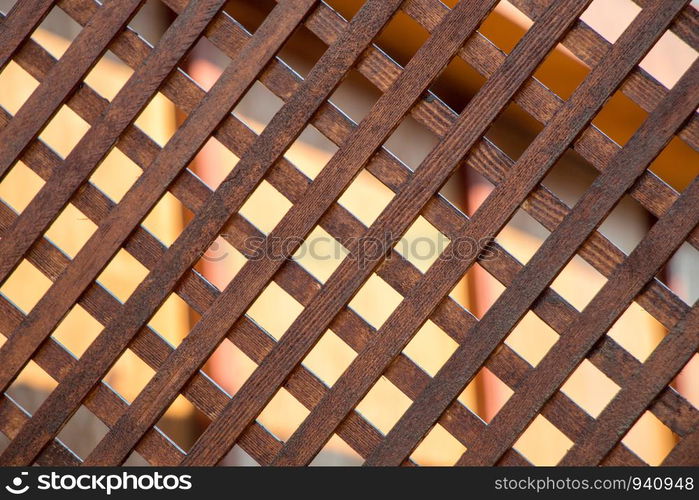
x=542, y=444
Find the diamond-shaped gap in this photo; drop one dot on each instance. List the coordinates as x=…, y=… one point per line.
x=183, y=422
x=411, y=142
x=687, y=381
x=283, y=414
x=16, y=290
x=173, y=319
x=152, y=20
x=320, y=254
x=430, y=348
x=589, y=388
x=366, y=197
x=522, y=236
x=637, y=331
x=532, y=339
x=83, y=431
x=401, y=37
x=265, y=207
x=275, y=310
x=542, y=443
x=457, y=84
x=20, y=186
x=205, y=63
x=311, y=151
x=513, y=130
x=77, y=330
x=505, y=26
x=329, y=358
x=302, y=50
x=677, y=164
x=477, y=290
x=122, y=275
x=570, y=177
x=347, y=9
x=650, y=439
x=64, y=131
x=56, y=32
x=238, y=457
x=485, y=395
x=466, y=189
x=561, y=71
x=383, y=405
x=422, y=244
x=17, y=86
x=257, y=107
x=213, y=163
x=337, y=452
x=669, y=59
x=610, y=20
x=158, y=119
x=249, y=14
x=375, y=301
x=355, y=95
x=31, y=387
x=220, y=263
x=569, y=282
x=165, y=221
x=229, y=367
x=438, y=448
x=115, y=175
x=681, y=273
x=129, y=375
x=619, y=118
x=627, y=224
x=108, y=76
x=70, y=230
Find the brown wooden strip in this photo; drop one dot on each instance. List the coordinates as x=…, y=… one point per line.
x=142, y=245
x=598, y=200
x=643, y=263
x=304, y=332
x=589, y=46
x=490, y=217
x=657, y=372
x=97, y=142
x=249, y=282
x=91, y=259
x=19, y=24
x=46, y=100
x=361, y=371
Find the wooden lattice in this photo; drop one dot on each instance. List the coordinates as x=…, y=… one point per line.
x=508, y=78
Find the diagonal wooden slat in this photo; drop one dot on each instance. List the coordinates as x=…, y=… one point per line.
x=609, y=303
x=22, y=19
x=136, y=203
x=492, y=215
x=325, y=303
x=397, y=216
x=657, y=372
x=325, y=189
x=97, y=142
x=78, y=59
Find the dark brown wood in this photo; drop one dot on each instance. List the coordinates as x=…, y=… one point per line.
x=645, y=385
x=21, y=21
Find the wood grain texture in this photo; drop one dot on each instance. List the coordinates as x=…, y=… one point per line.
x=623, y=170
x=489, y=219
x=22, y=19
x=102, y=245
